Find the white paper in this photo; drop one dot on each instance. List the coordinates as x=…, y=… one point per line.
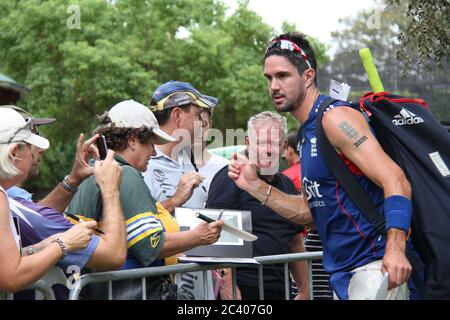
x=339, y=90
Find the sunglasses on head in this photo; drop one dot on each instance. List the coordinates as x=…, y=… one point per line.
x=285, y=44
x=27, y=125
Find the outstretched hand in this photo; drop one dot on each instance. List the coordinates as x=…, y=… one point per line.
x=241, y=171
x=85, y=150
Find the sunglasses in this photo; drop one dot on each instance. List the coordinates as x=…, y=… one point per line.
x=27, y=124
x=192, y=99
x=285, y=44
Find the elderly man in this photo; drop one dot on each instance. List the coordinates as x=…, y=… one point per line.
x=276, y=235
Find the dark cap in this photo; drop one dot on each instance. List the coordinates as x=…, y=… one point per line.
x=26, y=114
x=176, y=94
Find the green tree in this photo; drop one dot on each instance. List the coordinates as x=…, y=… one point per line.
x=377, y=28
x=124, y=49
x=424, y=38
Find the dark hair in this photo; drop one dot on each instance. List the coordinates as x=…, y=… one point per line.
x=292, y=140
x=164, y=115
x=117, y=137
x=294, y=57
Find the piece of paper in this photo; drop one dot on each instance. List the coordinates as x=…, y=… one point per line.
x=383, y=293
x=339, y=90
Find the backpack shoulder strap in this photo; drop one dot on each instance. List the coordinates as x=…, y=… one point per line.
x=345, y=177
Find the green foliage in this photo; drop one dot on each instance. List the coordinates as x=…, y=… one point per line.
x=424, y=38
x=124, y=49
x=398, y=76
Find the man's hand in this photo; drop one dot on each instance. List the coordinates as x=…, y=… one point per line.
x=242, y=172
x=108, y=173
x=188, y=182
x=394, y=261
x=81, y=169
x=208, y=233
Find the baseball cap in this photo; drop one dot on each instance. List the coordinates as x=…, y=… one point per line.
x=15, y=128
x=176, y=94
x=26, y=114
x=132, y=114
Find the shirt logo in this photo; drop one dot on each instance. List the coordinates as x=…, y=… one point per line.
x=312, y=191
x=154, y=239
x=406, y=117
x=313, y=141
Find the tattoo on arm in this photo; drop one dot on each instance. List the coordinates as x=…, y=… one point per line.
x=348, y=130
x=352, y=133
x=360, y=141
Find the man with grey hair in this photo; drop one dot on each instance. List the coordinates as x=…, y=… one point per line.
x=276, y=235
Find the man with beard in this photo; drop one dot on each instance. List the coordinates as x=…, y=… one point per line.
x=357, y=257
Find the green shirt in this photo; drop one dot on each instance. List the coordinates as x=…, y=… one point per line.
x=145, y=236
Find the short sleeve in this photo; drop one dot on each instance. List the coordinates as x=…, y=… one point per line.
x=145, y=236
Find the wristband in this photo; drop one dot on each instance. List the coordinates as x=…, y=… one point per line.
x=62, y=245
x=67, y=186
x=267, y=195
x=398, y=212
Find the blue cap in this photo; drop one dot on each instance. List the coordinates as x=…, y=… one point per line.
x=176, y=94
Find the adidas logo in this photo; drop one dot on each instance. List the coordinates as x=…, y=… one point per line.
x=406, y=117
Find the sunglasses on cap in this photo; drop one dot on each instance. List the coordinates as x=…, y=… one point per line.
x=178, y=99
x=28, y=124
x=285, y=44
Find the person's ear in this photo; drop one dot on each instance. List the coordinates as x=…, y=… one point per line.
x=309, y=75
x=15, y=150
x=176, y=116
x=132, y=141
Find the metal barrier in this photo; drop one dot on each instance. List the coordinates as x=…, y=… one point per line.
x=143, y=273
x=39, y=286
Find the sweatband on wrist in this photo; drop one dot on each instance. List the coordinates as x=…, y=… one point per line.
x=398, y=212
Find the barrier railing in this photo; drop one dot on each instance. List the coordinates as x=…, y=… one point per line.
x=143, y=273
x=39, y=286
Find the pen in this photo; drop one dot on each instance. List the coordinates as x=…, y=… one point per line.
x=204, y=218
x=220, y=214
x=78, y=220
x=196, y=169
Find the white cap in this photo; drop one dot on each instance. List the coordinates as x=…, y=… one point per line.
x=14, y=128
x=132, y=114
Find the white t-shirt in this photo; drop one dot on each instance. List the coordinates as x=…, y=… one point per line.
x=209, y=170
x=11, y=222
x=163, y=175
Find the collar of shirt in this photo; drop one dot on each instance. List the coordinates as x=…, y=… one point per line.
x=16, y=192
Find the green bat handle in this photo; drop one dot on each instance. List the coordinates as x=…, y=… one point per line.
x=371, y=70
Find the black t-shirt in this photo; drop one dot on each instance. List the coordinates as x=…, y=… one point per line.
x=274, y=232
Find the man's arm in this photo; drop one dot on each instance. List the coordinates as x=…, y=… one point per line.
x=348, y=131
x=291, y=207
x=59, y=197
x=299, y=269
x=111, y=251
x=203, y=234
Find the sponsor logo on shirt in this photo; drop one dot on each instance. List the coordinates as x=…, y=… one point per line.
x=313, y=141
x=154, y=239
x=406, y=117
x=312, y=193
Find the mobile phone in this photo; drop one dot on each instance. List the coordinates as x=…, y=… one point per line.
x=102, y=147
